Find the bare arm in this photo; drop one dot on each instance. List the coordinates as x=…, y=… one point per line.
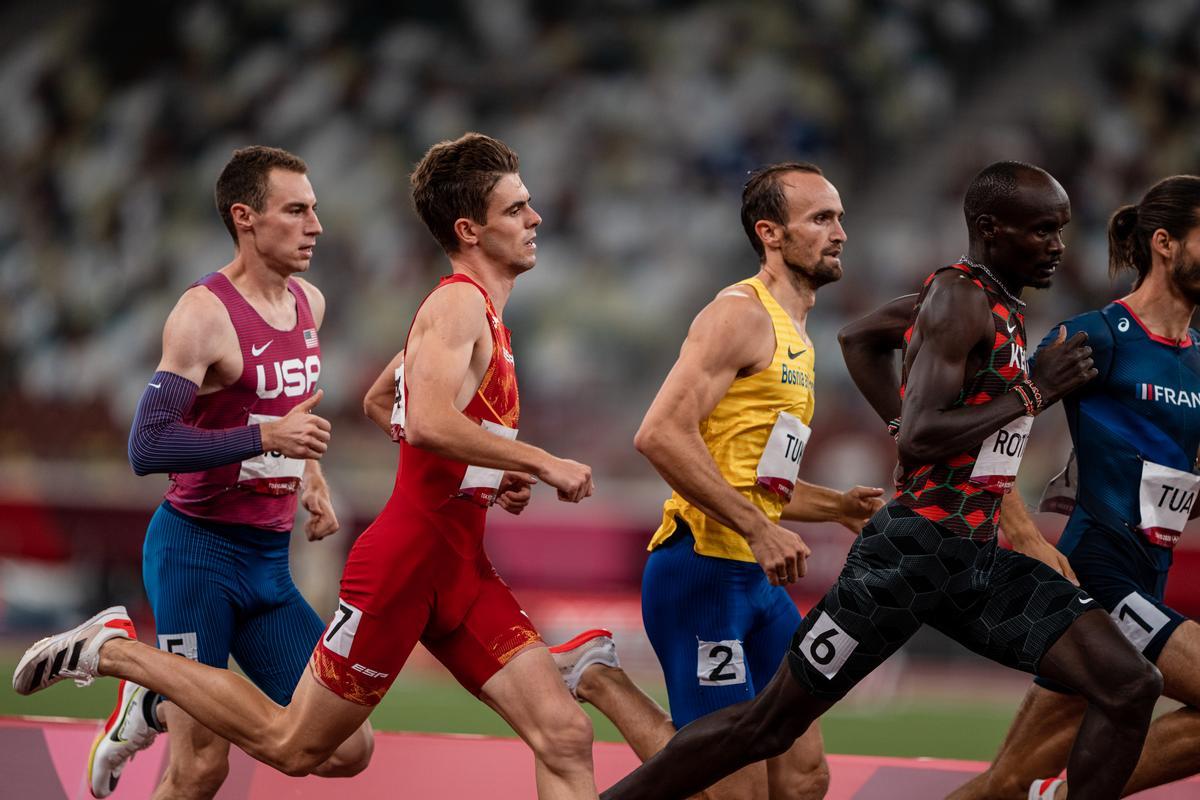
x=322, y=521
x=378, y=402
x=852, y=509
x=869, y=347
x=1025, y=536
x=732, y=334
x=954, y=319
x=449, y=333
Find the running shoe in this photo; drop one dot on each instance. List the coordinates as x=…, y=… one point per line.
x=74, y=654
x=125, y=733
x=590, y=647
x=1044, y=788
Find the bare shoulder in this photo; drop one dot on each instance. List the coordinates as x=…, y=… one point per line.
x=198, y=333
x=955, y=306
x=734, y=329
x=455, y=307
x=316, y=300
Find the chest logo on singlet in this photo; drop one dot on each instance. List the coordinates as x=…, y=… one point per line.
x=1123, y=324
x=795, y=377
x=797, y=354
x=1019, y=358
x=293, y=377
x=1165, y=394
x=257, y=351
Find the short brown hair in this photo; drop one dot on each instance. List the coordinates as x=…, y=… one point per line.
x=246, y=179
x=454, y=180
x=762, y=198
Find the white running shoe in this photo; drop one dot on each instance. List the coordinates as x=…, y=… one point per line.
x=590, y=647
x=1044, y=788
x=125, y=733
x=74, y=654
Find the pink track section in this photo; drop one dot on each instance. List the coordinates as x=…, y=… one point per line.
x=47, y=759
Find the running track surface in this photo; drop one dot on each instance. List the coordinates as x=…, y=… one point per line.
x=47, y=759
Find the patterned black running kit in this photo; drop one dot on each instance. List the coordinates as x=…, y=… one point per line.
x=931, y=555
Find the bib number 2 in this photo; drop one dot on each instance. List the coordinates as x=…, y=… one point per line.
x=720, y=663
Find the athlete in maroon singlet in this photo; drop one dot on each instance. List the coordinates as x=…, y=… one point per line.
x=420, y=570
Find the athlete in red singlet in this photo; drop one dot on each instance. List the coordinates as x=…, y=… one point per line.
x=419, y=571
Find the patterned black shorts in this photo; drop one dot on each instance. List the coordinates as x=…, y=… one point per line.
x=905, y=571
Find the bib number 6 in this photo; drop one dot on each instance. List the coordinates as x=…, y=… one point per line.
x=826, y=646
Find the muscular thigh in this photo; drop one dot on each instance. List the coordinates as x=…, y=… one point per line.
x=485, y=627
x=1177, y=662
x=700, y=615
x=387, y=594
x=1019, y=609
x=893, y=578
x=191, y=579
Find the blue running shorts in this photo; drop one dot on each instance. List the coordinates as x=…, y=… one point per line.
x=219, y=590
x=718, y=626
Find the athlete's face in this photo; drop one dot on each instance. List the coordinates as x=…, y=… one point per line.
x=1185, y=266
x=285, y=232
x=508, y=236
x=811, y=242
x=1026, y=235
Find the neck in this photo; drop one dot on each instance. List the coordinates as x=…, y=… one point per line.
x=1160, y=305
x=979, y=255
x=253, y=278
x=496, y=281
x=791, y=289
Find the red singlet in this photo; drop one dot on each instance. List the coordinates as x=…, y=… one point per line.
x=419, y=572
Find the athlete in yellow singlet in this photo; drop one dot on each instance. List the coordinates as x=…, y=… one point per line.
x=727, y=431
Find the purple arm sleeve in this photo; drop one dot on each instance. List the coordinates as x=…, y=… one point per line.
x=159, y=442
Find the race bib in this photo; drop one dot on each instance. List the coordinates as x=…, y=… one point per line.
x=270, y=473
x=1059, y=494
x=479, y=484
x=398, y=405
x=1166, y=497
x=780, y=461
x=720, y=663
x=1000, y=456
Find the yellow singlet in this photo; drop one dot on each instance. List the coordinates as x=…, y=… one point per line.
x=737, y=430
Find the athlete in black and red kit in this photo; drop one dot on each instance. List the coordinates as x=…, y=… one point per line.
x=930, y=556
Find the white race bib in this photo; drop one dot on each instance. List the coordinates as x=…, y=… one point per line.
x=270, y=473
x=480, y=483
x=1000, y=456
x=1166, y=497
x=780, y=461
x=398, y=405
x=1059, y=495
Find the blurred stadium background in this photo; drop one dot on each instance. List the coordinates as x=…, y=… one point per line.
x=636, y=122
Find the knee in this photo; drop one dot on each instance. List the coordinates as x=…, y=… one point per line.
x=810, y=783
x=352, y=757
x=1134, y=689
x=564, y=739
x=1004, y=786
x=200, y=775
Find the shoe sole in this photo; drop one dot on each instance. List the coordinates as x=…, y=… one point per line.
x=113, y=721
x=586, y=636
x=36, y=650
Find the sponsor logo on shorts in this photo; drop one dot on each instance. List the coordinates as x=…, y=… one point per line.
x=370, y=673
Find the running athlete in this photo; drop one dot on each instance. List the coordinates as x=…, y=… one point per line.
x=1136, y=433
x=419, y=571
x=727, y=432
x=930, y=556
x=1118, y=425
x=229, y=415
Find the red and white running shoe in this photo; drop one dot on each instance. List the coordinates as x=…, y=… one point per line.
x=74, y=654
x=590, y=647
x=1044, y=788
x=125, y=734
